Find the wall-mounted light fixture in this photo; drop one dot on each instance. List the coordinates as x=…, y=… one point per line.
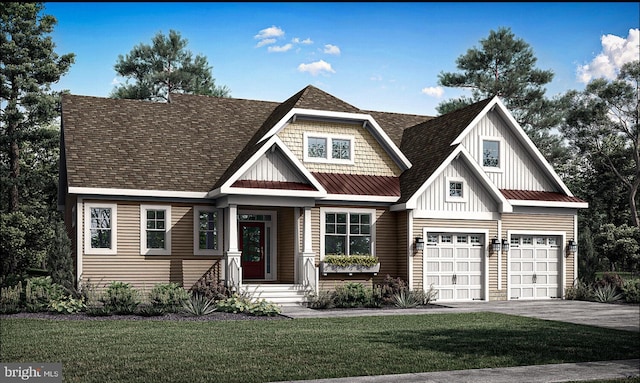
x=495, y=245
x=505, y=245
x=419, y=243
x=572, y=247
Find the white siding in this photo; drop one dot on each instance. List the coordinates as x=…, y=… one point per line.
x=273, y=166
x=478, y=199
x=520, y=170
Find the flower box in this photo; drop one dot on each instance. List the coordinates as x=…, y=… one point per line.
x=327, y=268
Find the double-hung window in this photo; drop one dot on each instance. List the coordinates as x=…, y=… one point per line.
x=329, y=148
x=492, y=153
x=101, y=234
x=155, y=233
x=348, y=232
x=207, y=231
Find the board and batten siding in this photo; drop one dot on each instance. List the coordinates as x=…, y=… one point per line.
x=141, y=271
x=478, y=198
x=544, y=223
x=370, y=157
x=520, y=171
x=481, y=225
x=273, y=166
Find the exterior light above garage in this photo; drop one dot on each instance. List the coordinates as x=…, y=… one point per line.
x=572, y=247
x=505, y=245
x=419, y=243
x=495, y=245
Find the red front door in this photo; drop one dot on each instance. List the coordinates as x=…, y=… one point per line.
x=252, y=248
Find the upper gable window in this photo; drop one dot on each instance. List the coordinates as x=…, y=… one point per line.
x=456, y=190
x=492, y=148
x=320, y=147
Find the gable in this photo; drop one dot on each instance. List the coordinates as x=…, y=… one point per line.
x=274, y=166
x=519, y=168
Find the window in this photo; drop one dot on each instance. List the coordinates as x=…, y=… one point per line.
x=491, y=154
x=455, y=191
x=100, y=235
x=155, y=238
x=348, y=232
x=328, y=148
x=207, y=233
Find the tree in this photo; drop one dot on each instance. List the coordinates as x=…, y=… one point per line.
x=602, y=123
x=28, y=66
x=163, y=68
x=504, y=66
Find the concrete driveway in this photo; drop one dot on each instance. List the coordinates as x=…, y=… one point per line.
x=616, y=316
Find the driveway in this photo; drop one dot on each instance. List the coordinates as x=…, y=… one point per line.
x=616, y=316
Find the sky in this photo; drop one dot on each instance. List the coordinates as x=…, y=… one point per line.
x=373, y=55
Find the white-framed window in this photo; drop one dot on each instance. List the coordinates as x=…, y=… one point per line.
x=492, y=153
x=347, y=231
x=329, y=148
x=207, y=230
x=456, y=190
x=100, y=228
x=155, y=229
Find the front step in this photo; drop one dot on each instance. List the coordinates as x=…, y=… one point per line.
x=280, y=294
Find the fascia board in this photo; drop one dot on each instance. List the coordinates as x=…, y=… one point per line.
x=412, y=201
x=136, y=192
x=497, y=194
x=538, y=203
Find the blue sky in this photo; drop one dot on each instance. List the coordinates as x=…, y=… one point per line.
x=375, y=56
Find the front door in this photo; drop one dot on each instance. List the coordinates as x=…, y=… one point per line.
x=252, y=248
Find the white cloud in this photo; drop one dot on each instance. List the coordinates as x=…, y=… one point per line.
x=283, y=48
x=376, y=77
x=116, y=81
x=433, y=91
x=269, y=33
x=616, y=51
x=331, y=49
x=316, y=68
x=264, y=42
x=296, y=40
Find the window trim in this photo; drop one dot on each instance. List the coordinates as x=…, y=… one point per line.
x=328, y=159
x=196, y=230
x=143, y=230
x=501, y=146
x=87, y=228
x=465, y=190
x=323, y=223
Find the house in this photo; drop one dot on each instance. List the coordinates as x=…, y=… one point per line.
x=256, y=193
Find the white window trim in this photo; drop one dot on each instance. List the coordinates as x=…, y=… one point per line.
x=143, y=230
x=465, y=190
x=501, y=148
x=196, y=230
x=329, y=138
x=325, y=210
x=87, y=228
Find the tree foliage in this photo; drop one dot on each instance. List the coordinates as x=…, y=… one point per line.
x=504, y=66
x=602, y=125
x=165, y=67
x=28, y=66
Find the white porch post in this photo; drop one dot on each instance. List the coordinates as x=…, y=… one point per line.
x=308, y=266
x=233, y=268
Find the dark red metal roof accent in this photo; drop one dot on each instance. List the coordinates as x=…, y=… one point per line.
x=356, y=184
x=272, y=185
x=533, y=195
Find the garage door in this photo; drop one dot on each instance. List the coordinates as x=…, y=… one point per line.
x=453, y=264
x=534, y=262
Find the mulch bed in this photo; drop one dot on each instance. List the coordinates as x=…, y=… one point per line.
x=216, y=316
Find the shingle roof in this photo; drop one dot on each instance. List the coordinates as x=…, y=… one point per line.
x=428, y=144
x=533, y=195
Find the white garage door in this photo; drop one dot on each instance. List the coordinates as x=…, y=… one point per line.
x=534, y=262
x=453, y=264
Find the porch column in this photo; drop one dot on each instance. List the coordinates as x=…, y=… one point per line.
x=308, y=259
x=233, y=268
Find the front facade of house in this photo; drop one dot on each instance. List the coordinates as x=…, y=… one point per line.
x=257, y=193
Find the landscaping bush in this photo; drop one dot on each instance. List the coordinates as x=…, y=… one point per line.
x=67, y=305
x=390, y=287
x=198, y=305
x=238, y=303
x=606, y=294
x=121, y=298
x=580, y=291
x=611, y=279
x=211, y=290
x=405, y=299
x=350, y=294
x=321, y=300
x=39, y=292
x=168, y=297
x=631, y=290
x=149, y=310
x=425, y=297
x=10, y=299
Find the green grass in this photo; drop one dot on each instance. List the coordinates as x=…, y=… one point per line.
x=260, y=351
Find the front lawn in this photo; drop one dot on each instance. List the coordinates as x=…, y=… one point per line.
x=261, y=351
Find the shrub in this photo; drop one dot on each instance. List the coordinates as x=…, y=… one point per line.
x=631, y=291
x=350, y=294
x=390, y=287
x=94, y=300
x=580, y=291
x=321, y=300
x=67, y=305
x=212, y=290
x=425, y=297
x=606, y=294
x=168, y=297
x=238, y=303
x=198, y=305
x=121, y=298
x=10, y=299
x=611, y=279
x=405, y=299
x=39, y=291
x=149, y=310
